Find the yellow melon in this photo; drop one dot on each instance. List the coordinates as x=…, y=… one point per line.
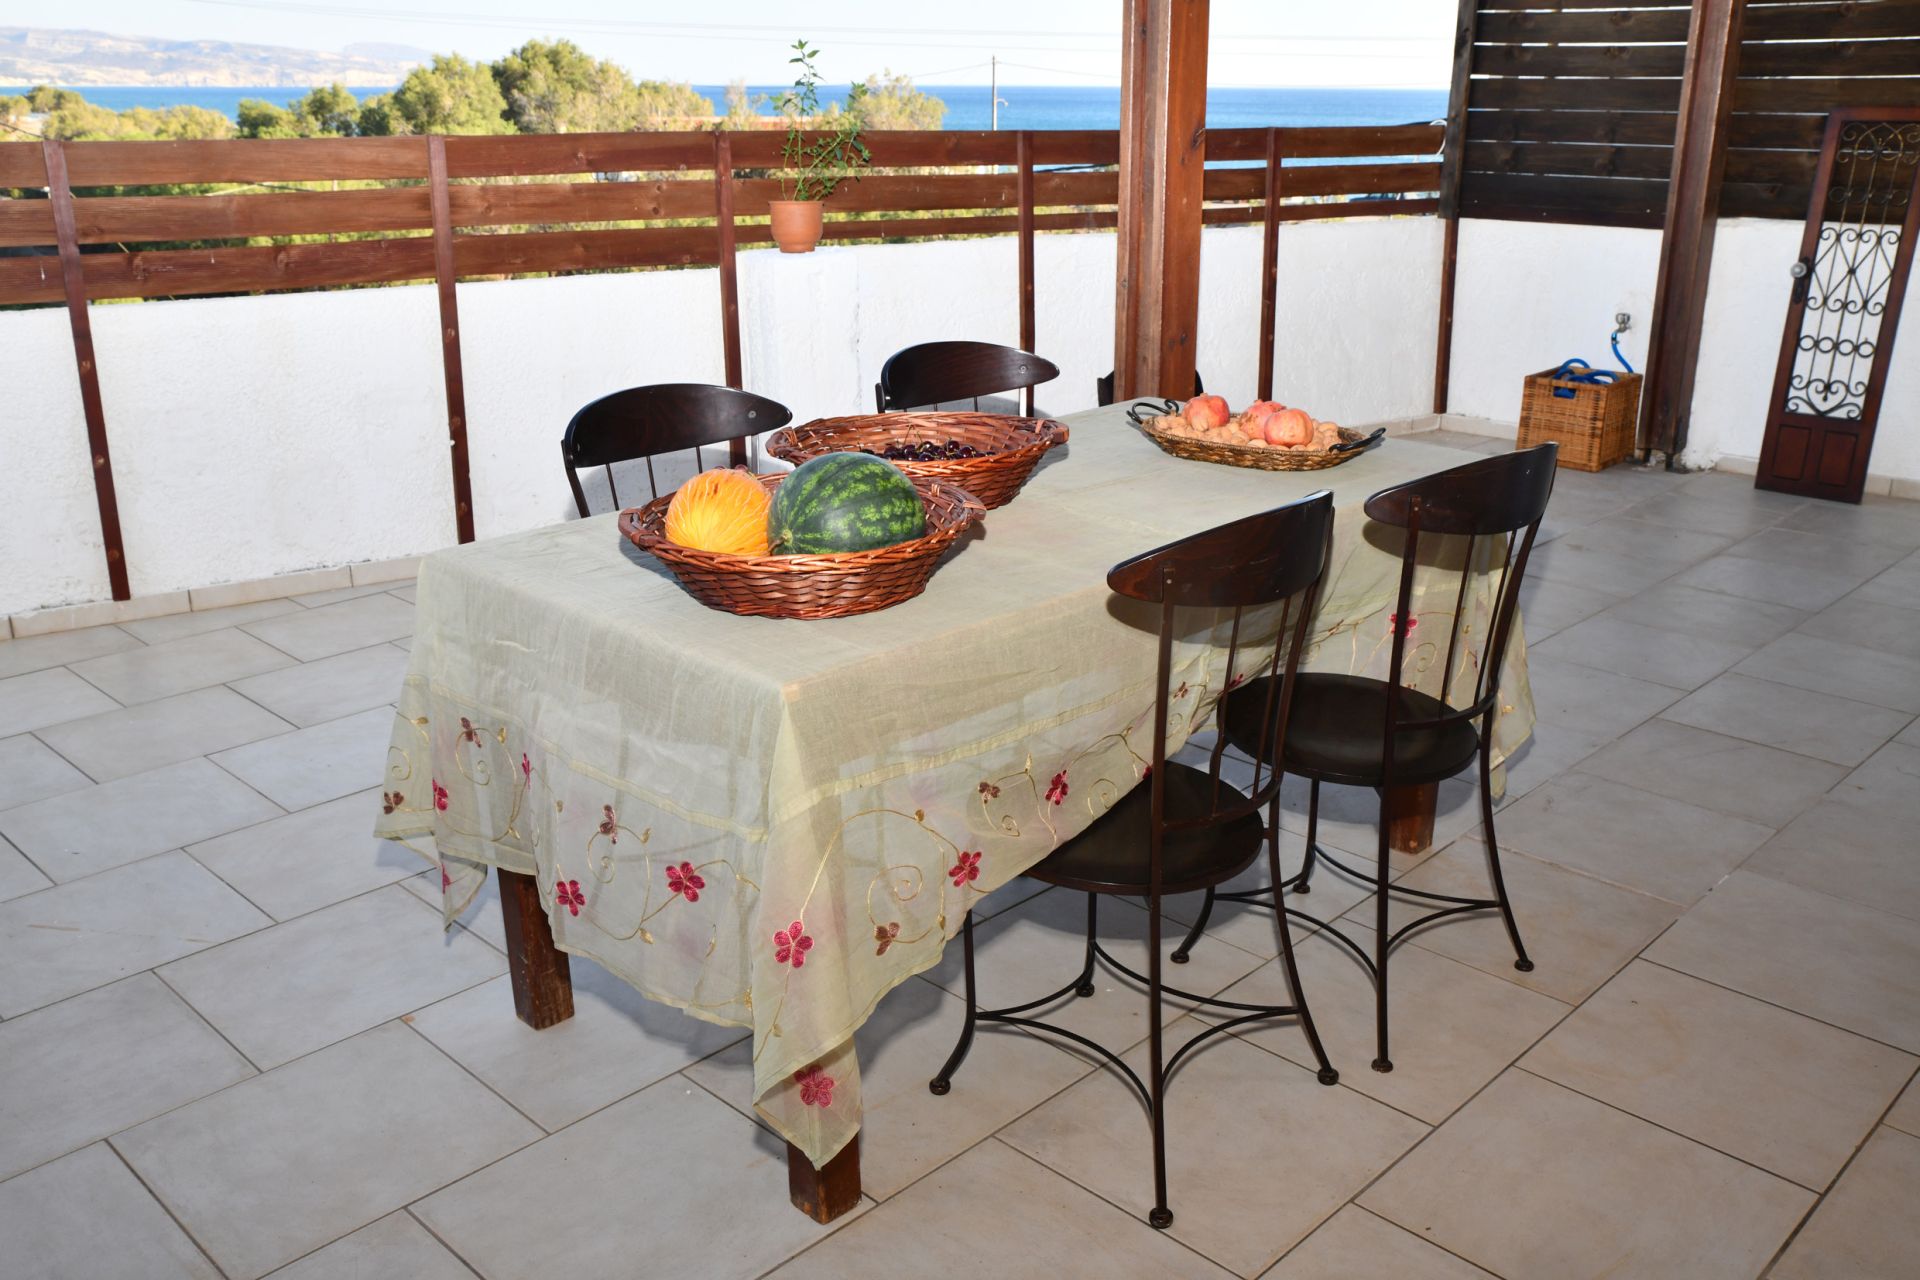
x=724, y=511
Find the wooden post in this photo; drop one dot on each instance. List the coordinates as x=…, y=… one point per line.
x=825, y=1193
x=74, y=282
x=541, y=975
x=1270, y=265
x=1024, y=155
x=450, y=335
x=729, y=275
x=1693, y=210
x=1163, y=116
x=1452, y=152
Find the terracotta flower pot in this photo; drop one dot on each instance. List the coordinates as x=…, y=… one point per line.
x=796, y=224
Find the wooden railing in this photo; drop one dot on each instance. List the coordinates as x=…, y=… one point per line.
x=463, y=207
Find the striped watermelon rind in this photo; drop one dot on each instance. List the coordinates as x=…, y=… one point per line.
x=841, y=502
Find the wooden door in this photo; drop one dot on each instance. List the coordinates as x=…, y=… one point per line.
x=1850, y=280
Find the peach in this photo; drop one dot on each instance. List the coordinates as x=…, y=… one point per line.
x=1206, y=411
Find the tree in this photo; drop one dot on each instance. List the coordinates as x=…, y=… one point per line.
x=892, y=102
x=665, y=103
x=450, y=96
x=258, y=119
x=743, y=111
x=554, y=87
x=76, y=119
x=328, y=109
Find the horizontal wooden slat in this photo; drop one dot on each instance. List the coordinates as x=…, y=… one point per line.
x=1630, y=162
x=1831, y=58
x=1505, y=6
x=514, y=254
x=1328, y=143
x=22, y=163
x=1844, y=20
x=26, y=222
x=1324, y=180
x=102, y=164
x=1630, y=128
x=532, y=155
x=520, y=204
x=1622, y=27
x=1625, y=61
x=1577, y=95
x=1825, y=94
x=1765, y=200
x=122, y=219
x=761, y=149
x=1637, y=195
x=244, y=269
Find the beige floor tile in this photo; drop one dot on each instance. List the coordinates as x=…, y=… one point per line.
x=179, y=666
x=1850, y=847
x=1905, y=1114
x=328, y=688
x=319, y=599
x=1776, y=715
x=288, y=990
x=1706, y=512
x=1549, y=607
x=1578, y=930
x=1350, y=816
x=1259, y=1153
x=1607, y=642
x=616, y=1043
x=1794, y=542
x=17, y=875
x=30, y=770
x=1039, y=946
x=721, y=1211
x=148, y=735
x=1250, y=926
x=85, y=1215
x=36, y=653
x=394, y=1248
x=226, y=595
x=42, y=698
x=1871, y=676
x=1355, y=1245
x=1789, y=1094
x=1453, y=1027
x=1531, y=1179
x=271, y=1169
x=1625, y=836
x=336, y=628
x=405, y=593
x=482, y=916
x=1840, y=962
x=117, y=822
x=74, y=937
x=1040, y=1225
x=291, y=865
x=1672, y=606
x=1871, y=624
x=906, y=1130
x=74, y=1072
x=1621, y=555
x=1597, y=704
x=1910, y=736
x=1885, y=521
x=178, y=626
x=1795, y=586
x=1899, y=585
x=320, y=763
x=1866, y=1228
x=1732, y=775
x=1548, y=752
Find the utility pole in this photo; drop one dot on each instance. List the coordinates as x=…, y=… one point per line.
x=993, y=88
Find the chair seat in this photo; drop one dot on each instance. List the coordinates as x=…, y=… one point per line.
x=1111, y=855
x=1336, y=731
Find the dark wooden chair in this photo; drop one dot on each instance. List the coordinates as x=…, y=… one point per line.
x=644, y=422
x=939, y=372
x=1103, y=388
x=1184, y=828
x=1374, y=733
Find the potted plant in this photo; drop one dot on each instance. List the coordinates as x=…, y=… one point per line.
x=812, y=168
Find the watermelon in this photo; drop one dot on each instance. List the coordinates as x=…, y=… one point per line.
x=844, y=502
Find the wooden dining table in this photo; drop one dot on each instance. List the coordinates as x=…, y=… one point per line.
x=772, y=823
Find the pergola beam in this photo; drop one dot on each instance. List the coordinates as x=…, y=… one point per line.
x=1163, y=117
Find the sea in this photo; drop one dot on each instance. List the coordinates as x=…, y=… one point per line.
x=968, y=106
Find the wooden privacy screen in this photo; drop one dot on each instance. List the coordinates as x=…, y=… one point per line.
x=466, y=207
x=1571, y=110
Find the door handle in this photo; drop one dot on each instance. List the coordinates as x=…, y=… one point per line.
x=1802, y=273
x=1800, y=269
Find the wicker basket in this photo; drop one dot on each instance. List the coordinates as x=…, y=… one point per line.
x=1592, y=422
x=1010, y=447
x=831, y=586
x=1240, y=455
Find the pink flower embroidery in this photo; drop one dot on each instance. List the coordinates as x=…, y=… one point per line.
x=1394, y=627
x=468, y=732
x=390, y=800
x=526, y=767
x=609, y=826
x=967, y=870
x=884, y=935
x=446, y=881
x=1057, y=789
x=566, y=893
x=816, y=1086
x=439, y=795
x=1236, y=682
x=791, y=944
x=1181, y=692
x=685, y=881
x=990, y=791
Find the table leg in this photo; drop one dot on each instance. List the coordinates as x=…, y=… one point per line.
x=542, y=980
x=1410, y=816
x=824, y=1194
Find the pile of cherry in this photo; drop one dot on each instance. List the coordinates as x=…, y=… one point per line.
x=925, y=451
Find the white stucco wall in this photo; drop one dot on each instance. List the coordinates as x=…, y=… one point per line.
x=263, y=435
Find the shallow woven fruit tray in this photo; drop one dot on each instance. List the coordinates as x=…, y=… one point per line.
x=828, y=586
x=1352, y=445
x=1010, y=448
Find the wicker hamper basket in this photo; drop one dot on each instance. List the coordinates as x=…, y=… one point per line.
x=1592, y=422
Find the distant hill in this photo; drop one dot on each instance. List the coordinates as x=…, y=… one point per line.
x=35, y=55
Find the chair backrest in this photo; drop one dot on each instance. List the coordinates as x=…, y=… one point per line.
x=644, y=422
x=939, y=372
x=1266, y=570
x=1103, y=388
x=1495, y=505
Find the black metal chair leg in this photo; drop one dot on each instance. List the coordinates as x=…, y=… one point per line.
x=1521, y=961
x=1160, y=1216
x=1084, y=988
x=1300, y=884
x=1327, y=1074
x=1381, y=895
x=1193, y=935
x=939, y=1085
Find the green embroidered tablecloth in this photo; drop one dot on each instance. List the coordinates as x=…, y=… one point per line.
x=771, y=823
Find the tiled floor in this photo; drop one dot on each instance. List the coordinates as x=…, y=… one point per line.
x=234, y=1040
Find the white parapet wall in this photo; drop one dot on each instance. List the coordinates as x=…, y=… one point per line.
x=260, y=436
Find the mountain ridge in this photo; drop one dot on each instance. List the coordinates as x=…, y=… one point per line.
x=77, y=58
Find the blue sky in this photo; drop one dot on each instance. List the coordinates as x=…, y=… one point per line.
x=1397, y=43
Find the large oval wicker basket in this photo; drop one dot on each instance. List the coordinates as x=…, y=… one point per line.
x=1239, y=455
x=829, y=586
x=1010, y=447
